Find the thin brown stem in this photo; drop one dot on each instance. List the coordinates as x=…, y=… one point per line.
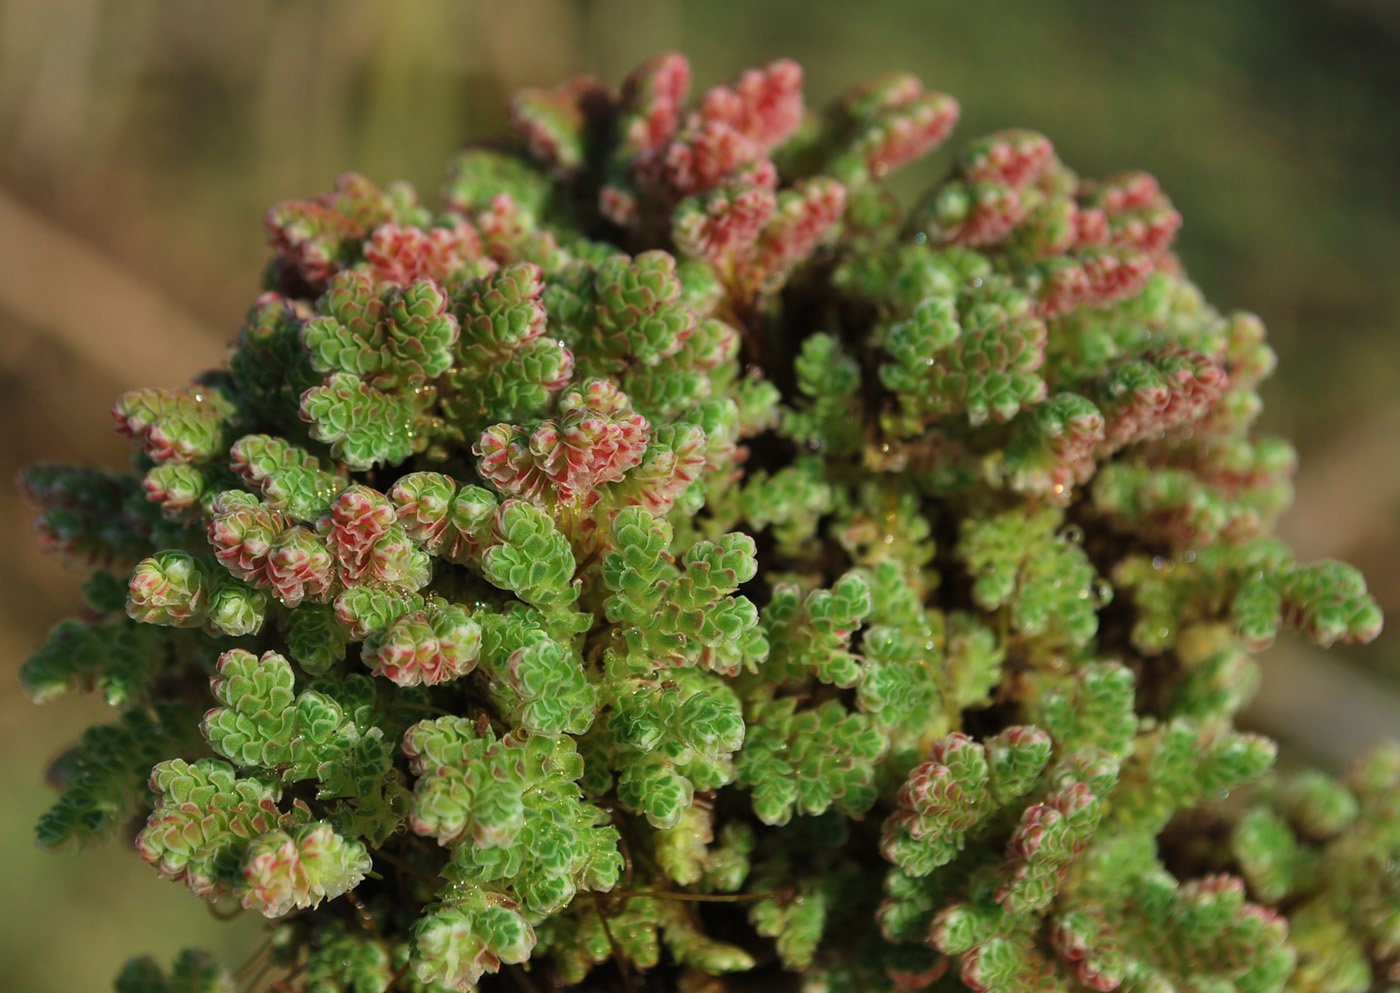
x=618, y=956
x=284, y=984
x=695, y=897
x=366, y=919
x=521, y=978
x=626, y=857
x=398, y=977
x=220, y=914
x=255, y=983
x=427, y=707
x=403, y=866
x=254, y=961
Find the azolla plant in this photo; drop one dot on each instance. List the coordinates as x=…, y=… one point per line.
x=670, y=559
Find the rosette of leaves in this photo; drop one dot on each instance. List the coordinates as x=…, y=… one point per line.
x=669, y=557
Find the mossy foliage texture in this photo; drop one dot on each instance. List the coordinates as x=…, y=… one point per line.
x=669, y=558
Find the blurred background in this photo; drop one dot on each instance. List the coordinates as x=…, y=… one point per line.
x=141, y=140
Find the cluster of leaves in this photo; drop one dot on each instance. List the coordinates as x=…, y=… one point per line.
x=669, y=526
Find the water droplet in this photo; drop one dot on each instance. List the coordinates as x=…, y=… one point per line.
x=1103, y=593
x=1224, y=794
x=920, y=238
x=1074, y=534
x=1158, y=562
